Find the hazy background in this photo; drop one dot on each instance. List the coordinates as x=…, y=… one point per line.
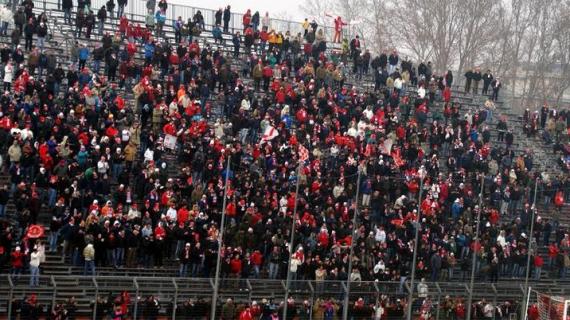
x=283, y=9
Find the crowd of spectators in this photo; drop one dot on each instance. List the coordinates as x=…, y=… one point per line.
x=126, y=149
x=120, y=306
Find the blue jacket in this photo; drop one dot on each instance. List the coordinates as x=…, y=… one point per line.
x=148, y=50
x=217, y=32
x=83, y=53
x=160, y=18
x=456, y=209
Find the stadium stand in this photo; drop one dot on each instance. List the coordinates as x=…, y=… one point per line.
x=115, y=143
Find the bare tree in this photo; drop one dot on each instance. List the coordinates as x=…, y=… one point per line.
x=317, y=9
x=429, y=29
x=376, y=19
x=478, y=22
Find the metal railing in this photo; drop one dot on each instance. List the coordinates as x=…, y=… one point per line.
x=173, y=292
x=137, y=8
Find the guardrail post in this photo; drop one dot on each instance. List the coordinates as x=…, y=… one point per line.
x=249, y=289
x=175, y=300
x=377, y=292
x=312, y=298
x=495, y=294
x=52, y=279
x=132, y=9
x=96, y=297
x=438, y=300
x=344, y=291
x=10, y=294
x=135, y=312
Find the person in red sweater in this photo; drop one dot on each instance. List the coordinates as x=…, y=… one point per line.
x=17, y=261
x=533, y=312
x=236, y=266
x=460, y=310
x=256, y=259
x=182, y=214
x=538, y=263
x=553, y=252
x=246, y=315
x=246, y=19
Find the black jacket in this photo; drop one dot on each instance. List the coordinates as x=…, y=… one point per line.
x=227, y=15
x=67, y=4
x=102, y=14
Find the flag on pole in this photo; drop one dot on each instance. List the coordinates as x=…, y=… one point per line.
x=303, y=153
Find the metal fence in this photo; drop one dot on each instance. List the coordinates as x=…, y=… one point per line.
x=136, y=9
x=173, y=292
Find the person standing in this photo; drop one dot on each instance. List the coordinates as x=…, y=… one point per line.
x=468, y=79
x=17, y=262
x=355, y=51
x=184, y=257
x=476, y=78
x=338, y=24
x=35, y=260
x=101, y=16
x=122, y=4
x=67, y=6
x=89, y=256
x=218, y=17
x=29, y=30
x=227, y=17
x=110, y=5
x=42, y=31
x=265, y=21
x=8, y=77
x=496, y=86
x=487, y=78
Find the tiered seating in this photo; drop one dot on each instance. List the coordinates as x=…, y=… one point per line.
x=84, y=290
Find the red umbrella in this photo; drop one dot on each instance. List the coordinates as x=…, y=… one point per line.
x=35, y=231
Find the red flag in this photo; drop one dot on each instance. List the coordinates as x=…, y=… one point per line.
x=303, y=153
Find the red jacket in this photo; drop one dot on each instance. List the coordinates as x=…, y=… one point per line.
x=446, y=94
x=123, y=24
x=267, y=72
x=533, y=312
x=247, y=19
x=235, y=266
x=245, y=315
x=338, y=23
x=256, y=258
x=553, y=251
x=182, y=215
x=538, y=261
x=17, y=258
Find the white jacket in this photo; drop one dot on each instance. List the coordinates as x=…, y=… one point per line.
x=6, y=15
x=8, y=73
x=35, y=259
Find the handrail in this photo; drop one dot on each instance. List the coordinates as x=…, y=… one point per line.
x=249, y=289
x=96, y=285
x=54, y=284
x=175, y=298
x=135, y=312
x=438, y=300
x=407, y=286
x=496, y=293
x=10, y=296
